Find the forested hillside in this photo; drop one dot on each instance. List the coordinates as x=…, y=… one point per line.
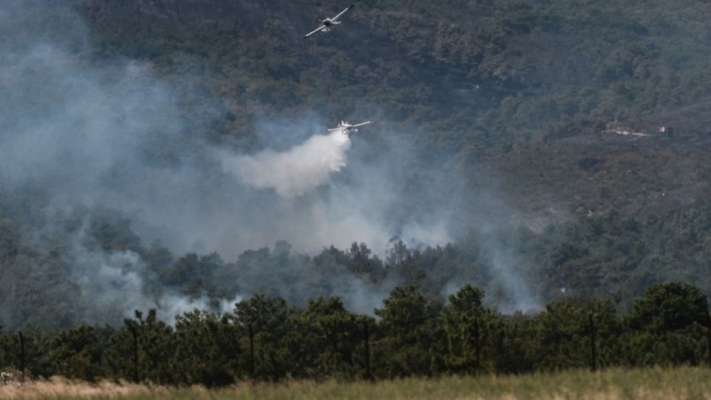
x=497, y=157
x=469, y=81
x=467, y=78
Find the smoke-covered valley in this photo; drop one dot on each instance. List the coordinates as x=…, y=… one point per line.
x=98, y=143
x=175, y=155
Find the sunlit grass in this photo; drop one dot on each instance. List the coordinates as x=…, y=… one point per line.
x=614, y=384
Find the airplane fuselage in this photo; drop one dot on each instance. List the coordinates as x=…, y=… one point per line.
x=328, y=23
x=347, y=128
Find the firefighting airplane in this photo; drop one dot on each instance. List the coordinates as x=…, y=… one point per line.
x=328, y=23
x=348, y=128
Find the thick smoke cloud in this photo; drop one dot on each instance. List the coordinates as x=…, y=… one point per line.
x=110, y=133
x=297, y=171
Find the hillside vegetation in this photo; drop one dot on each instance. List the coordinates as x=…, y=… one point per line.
x=467, y=78
x=470, y=81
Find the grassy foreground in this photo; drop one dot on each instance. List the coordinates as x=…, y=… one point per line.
x=652, y=384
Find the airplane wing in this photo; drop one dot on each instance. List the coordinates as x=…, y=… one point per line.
x=361, y=124
x=342, y=12
x=314, y=31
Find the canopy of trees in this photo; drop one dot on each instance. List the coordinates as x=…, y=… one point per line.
x=265, y=339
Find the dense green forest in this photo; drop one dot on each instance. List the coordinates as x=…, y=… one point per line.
x=497, y=128
x=471, y=78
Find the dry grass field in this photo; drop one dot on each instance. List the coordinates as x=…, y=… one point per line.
x=614, y=384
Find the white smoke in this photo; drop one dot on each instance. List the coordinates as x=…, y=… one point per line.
x=110, y=286
x=296, y=171
x=506, y=267
x=363, y=297
x=172, y=305
x=91, y=132
x=112, y=133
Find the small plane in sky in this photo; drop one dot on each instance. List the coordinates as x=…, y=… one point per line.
x=348, y=128
x=328, y=23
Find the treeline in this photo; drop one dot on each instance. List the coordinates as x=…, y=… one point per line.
x=86, y=265
x=264, y=339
